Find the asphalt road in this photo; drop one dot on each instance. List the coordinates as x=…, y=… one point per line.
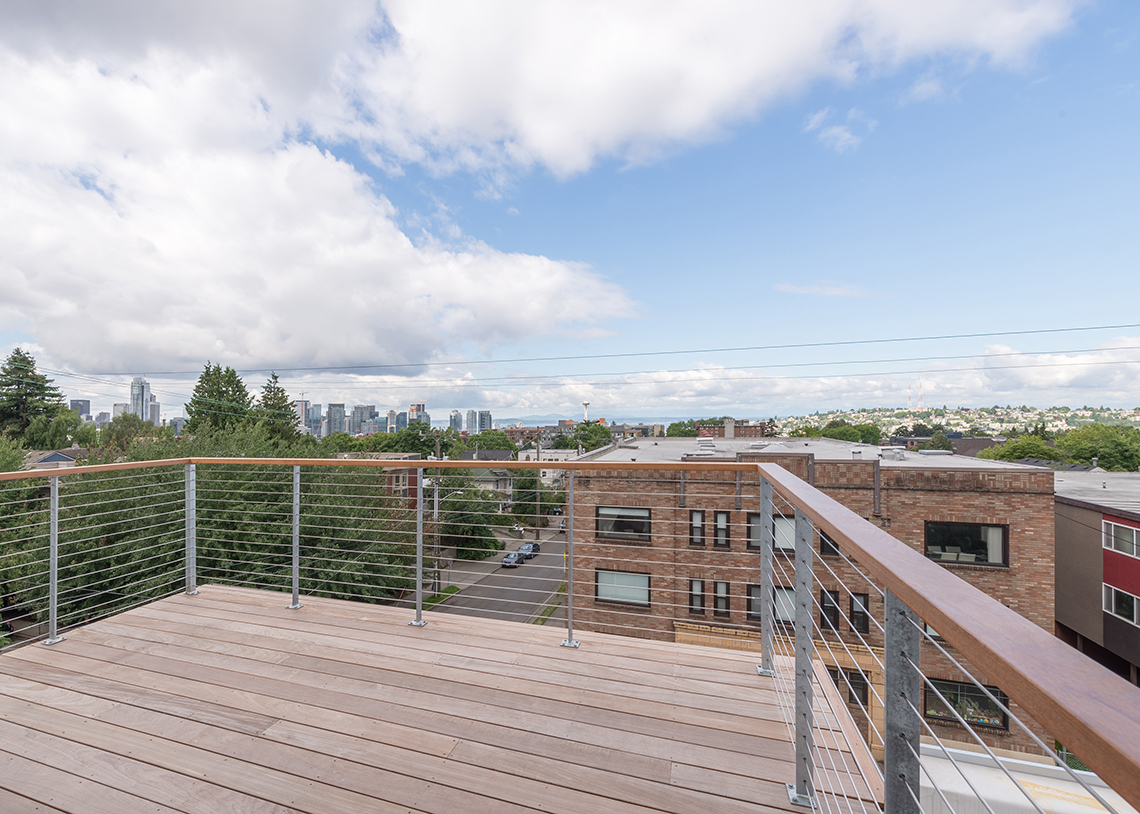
x=514, y=594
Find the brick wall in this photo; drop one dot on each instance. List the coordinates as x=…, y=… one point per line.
x=909, y=498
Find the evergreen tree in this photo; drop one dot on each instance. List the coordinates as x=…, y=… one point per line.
x=11, y=454
x=275, y=410
x=219, y=401
x=25, y=394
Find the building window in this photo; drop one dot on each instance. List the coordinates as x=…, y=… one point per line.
x=860, y=617
x=827, y=546
x=784, y=532
x=720, y=599
x=697, y=596
x=783, y=604
x=967, y=542
x=854, y=682
x=696, y=528
x=720, y=531
x=1121, y=538
x=829, y=611
x=752, y=537
x=968, y=701
x=1122, y=604
x=623, y=523
x=620, y=586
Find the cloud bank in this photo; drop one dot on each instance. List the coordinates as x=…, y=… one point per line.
x=169, y=197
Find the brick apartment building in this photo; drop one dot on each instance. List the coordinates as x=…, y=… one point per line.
x=671, y=555
x=731, y=428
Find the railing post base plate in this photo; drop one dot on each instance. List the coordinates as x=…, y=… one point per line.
x=56, y=640
x=295, y=607
x=797, y=799
x=569, y=643
x=191, y=593
x=418, y=622
x=760, y=671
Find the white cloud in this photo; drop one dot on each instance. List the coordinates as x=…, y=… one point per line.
x=816, y=120
x=167, y=202
x=839, y=138
x=822, y=289
x=499, y=84
x=923, y=90
x=160, y=218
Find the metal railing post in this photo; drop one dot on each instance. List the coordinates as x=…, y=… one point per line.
x=767, y=588
x=191, y=530
x=296, y=538
x=419, y=620
x=901, y=698
x=570, y=641
x=53, y=566
x=803, y=792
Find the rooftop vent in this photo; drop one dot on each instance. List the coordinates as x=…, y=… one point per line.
x=936, y=452
x=857, y=454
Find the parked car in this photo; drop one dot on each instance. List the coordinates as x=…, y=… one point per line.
x=556, y=512
x=528, y=550
x=513, y=560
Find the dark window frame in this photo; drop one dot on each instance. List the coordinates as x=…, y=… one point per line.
x=752, y=609
x=697, y=540
x=859, y=618
x=697, y=598
x=722, y=540
x=829, y=611
x=753, y=531
x=648, y=588
x=944, y=532
x=721, y=608
x=953, y=690
x=827, y=546
x=625, y=536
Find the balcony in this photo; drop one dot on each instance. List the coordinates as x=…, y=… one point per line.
x=208, y=635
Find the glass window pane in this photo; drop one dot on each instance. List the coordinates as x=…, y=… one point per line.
x=623, y=522
x=784, y=529
x=1123, y=539
x=1124, y=605
x=784, y=605
x=618, y=586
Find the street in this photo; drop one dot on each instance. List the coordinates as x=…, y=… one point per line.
x=514, y=594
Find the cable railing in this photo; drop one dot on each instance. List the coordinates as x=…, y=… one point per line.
x=886, y=665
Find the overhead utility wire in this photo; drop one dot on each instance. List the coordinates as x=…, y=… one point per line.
x=837, y=343
x=557, y=376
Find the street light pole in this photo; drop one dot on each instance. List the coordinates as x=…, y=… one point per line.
x=538, y=487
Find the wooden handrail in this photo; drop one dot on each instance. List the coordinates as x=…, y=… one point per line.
x=1093, y=710
x=389, y=463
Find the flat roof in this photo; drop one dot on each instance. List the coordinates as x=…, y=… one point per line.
x=666, y=450
x=1113, y=490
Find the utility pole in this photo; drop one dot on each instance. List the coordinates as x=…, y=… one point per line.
x=538, y=487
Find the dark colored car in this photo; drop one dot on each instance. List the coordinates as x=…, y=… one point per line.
x=513, y=560
x=556, y=512
x=528, y=550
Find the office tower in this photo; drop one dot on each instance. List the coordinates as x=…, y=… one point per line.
x=423, y=418
x=140, y=398
x=484, y=420
x=314, y=419
x=301, y=408
x=102, y=419
x=472, y=422
x=456, y=422
x=391, y=421
x=81, y=406
x=336, y=418
x=401, y=421
x=118, y=409
x=155, y=416
x=360, y=414
x=178, y=423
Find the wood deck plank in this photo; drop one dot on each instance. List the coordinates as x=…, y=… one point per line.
x=341, y=706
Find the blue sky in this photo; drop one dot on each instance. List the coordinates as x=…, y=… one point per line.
x=381, y=184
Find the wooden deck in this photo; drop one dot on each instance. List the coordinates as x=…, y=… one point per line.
x=230, y=702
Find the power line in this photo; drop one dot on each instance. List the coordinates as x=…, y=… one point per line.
x=637, y=354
